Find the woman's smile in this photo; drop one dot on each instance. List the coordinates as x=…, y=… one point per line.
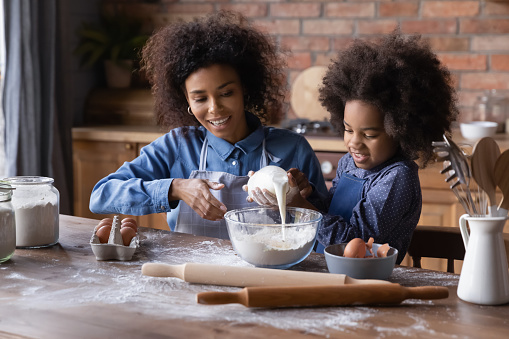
x=216, y=99
x=220, y=122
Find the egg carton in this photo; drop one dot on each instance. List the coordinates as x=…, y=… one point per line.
x=114, y=248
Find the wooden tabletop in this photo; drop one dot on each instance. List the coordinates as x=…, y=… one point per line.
x=64, y=292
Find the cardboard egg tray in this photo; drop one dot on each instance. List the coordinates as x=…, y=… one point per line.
x=114, y=249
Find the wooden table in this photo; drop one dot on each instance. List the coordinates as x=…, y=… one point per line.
x=64, y=292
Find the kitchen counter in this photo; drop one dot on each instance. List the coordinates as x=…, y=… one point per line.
x=146, y=134
x=64, y=292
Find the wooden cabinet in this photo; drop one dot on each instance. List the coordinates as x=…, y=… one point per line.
x=92, y=161
x=440, y=207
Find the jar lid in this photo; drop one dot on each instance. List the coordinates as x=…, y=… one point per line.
x=5, y=192
x=28, y=180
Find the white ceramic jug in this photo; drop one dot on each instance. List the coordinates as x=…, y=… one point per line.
x=484, y=276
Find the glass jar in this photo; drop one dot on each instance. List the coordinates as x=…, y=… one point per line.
x=491, y=106
x=36, y=205
x=7, y=224
x=482, y=107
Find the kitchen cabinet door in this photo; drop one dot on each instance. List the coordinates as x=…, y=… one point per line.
x=92, y=161
x=157, y=220
x=440, y=208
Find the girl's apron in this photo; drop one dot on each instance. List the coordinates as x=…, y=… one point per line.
x=347, y=195
x=231, y=195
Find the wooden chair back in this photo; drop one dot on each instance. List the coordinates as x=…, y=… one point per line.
x=436, y=242
x=440, y=242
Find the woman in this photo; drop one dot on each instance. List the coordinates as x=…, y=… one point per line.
x=216, y=81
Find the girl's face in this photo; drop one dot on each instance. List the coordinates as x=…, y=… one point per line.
x=365, y=135
x=216, y=98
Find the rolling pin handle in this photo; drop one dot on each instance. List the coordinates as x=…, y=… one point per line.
x=219, y=298
x=163, y=270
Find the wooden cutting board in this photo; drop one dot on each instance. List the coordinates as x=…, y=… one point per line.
x=304, y=99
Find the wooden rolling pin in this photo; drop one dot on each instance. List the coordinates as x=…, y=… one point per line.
x=322, y=295
x=248, y=276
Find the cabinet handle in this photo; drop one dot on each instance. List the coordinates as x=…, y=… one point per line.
x=326, y=167
x=128, y=146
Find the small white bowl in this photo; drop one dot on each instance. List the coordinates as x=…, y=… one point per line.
x=478, y=129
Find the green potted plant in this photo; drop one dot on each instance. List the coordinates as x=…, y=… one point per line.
x=115, y=41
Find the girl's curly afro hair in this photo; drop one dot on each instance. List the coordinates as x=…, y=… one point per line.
x=404, y=79
x=179, y=49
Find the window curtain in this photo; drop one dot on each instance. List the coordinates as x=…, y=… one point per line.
x=37, y=132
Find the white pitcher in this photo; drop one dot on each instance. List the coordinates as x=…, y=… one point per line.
x=484, y=276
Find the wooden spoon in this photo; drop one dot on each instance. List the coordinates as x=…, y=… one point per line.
x=502, y=180
x=484, y=157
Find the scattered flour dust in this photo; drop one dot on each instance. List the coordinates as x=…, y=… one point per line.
x=270, y=247
x=123, y=284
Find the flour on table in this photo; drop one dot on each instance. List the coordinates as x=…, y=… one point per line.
x=172, y=298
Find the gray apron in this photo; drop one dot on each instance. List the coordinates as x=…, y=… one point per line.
x=231, y=195
x=347, y=195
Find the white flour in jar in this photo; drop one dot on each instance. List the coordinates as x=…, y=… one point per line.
x=7, y=233
x=36, y=223
x=267, y=247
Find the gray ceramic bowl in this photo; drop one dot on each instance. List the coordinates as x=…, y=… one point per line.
x=360, y=268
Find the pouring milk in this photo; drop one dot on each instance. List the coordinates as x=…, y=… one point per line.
x=275, y=180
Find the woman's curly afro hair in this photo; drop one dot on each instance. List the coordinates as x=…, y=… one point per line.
x=179, y=49
x=404, y=79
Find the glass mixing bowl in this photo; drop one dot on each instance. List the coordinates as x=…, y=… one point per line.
x=260, y=239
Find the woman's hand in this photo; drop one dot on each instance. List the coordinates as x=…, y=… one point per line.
x=196, y=193
x=299, y=190
x=264, y=198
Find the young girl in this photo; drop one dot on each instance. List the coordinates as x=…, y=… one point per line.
x=391, y=100
x=217, y=80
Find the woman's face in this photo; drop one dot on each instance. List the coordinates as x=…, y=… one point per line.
x=216, y=98
x=365, y=135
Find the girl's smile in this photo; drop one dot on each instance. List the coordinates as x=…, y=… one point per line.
x=365, y=135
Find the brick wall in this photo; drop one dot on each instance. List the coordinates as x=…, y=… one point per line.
x=470, y=36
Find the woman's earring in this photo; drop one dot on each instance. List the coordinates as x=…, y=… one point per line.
x=189, y=110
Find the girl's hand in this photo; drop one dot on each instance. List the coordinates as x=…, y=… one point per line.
x=196, y=193
x=294, y=197
x=305, y=187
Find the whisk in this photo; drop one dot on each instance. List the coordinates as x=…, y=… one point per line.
x=457, y=167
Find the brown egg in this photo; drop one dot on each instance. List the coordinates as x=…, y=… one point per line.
x=356, y=248
x=127, y=234
x=103, y=233
x=129, y=224
x=382, y=251
x=105, y=221
x=129, y=220
x=369, y=245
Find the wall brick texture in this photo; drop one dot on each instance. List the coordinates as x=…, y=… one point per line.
x=471, y=37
